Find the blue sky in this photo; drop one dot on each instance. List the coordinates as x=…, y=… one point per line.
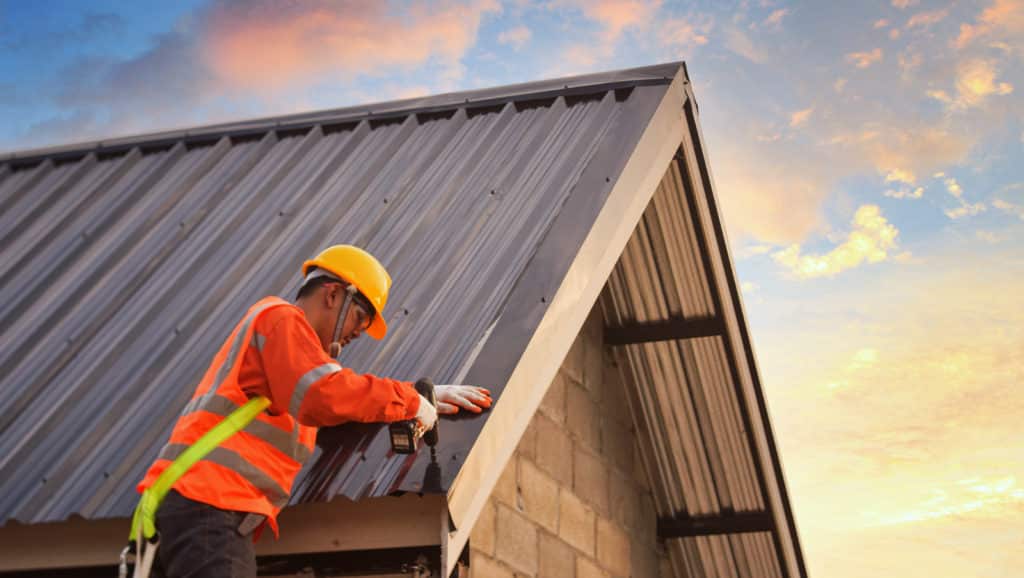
x=867, y=156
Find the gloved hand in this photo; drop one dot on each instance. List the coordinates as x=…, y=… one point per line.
x=426, y=415
x=470, y=398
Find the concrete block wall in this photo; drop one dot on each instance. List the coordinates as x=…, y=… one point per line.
x=573, y=501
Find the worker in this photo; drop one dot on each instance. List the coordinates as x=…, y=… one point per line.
x=280, y=350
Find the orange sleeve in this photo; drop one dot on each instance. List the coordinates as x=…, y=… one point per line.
x=311, y=386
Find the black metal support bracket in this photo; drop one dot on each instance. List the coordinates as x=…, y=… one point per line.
x=669, y=329
x=713, y=525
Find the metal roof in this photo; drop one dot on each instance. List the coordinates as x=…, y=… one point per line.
x=125, y=262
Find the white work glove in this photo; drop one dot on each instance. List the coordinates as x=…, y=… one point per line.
x=426, y=415
x=470, y=398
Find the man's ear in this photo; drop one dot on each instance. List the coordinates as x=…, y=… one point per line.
x=330, y=295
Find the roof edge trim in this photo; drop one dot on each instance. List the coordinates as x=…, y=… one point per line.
x=646, y=75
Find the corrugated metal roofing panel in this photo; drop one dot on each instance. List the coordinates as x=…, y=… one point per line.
x=123, y=268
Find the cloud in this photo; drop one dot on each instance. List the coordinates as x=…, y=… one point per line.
x=266, y=45
x=880, y=24
x=1002, y=20
x=964, y=497
x=775, y=18
x=614, y=16
x=683, y=33
x=233, y=58
x=905, y=193
x=904, y=4
x=902, y=148
x=800, y=117
x=767, y=194
x=965, y=209
x=926, y=19
x=516, y=37
x=749, y=251
x=738, y=42
x=839, y=85
x=864, y=59
x=1008, y=207
x=975, y=82
x=870, y=241
x=989, y=237
x=900, y=176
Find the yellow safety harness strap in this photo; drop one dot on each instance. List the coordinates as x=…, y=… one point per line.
x=145, y=512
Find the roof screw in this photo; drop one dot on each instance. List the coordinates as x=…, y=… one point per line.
x=607, y=179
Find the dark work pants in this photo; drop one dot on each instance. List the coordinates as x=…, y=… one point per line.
x=200, y=541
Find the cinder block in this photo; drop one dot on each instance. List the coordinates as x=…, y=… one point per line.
x=593, y=354
x=590, y=479
x=557, y=559
x=507, y=487
x=665, y=567
x=646, y=527
x=576, y=523
x=540, y=495
x=588, y=569
x=483, y=566
x=553, y=404
x=482, y=537
x=617, y=442
x=623, y=500
x=643, y=560
x=554, y=450
x=614, y=395
x=612, y=548
x=516, y=541
x=583, y=419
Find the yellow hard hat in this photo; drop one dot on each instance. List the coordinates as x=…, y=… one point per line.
x=356, y=266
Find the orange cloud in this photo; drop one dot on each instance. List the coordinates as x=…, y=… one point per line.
x=775, y=18
x=864, y=59
x=904, y=4
x=615, y=15
x=870, y=241
x=258, y=45
x=800, y=117
x=902, y=151
x=1008, y=207
x=925, y=19
x=976, y=81
x=1003, y=19
x=683, y=33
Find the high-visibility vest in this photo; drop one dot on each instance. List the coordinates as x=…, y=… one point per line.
x=253, y=470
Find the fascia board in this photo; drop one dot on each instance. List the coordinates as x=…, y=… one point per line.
x=337, y=526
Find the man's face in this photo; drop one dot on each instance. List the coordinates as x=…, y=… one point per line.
x=359, y=314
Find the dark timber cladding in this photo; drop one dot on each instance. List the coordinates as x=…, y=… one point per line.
x=125, y=262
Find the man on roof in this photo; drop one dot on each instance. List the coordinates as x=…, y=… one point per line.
x=285, y=352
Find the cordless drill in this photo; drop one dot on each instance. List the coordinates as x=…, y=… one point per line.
x=403, y=433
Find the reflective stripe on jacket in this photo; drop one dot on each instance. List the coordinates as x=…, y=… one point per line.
x=274, y=352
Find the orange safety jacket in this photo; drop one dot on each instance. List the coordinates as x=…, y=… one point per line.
x=273, y=352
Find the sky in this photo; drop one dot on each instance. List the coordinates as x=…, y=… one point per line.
x=867, y=157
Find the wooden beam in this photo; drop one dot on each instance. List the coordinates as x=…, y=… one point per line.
x=666, y=330
x=736, y=523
